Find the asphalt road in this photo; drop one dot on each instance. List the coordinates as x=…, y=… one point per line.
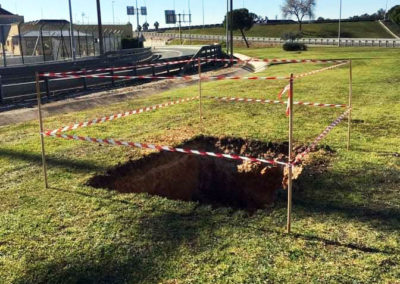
x=173, y=51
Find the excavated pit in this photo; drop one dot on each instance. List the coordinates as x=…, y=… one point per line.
x=209, y=180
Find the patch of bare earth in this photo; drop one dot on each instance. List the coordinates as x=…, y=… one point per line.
x=209, y=180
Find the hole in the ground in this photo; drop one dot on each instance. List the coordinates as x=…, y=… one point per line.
x=209, y=180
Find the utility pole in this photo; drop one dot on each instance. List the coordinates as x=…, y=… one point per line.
x=227, y=26
x=340, y=22
x=100, y=27
x=137, y=18
x=384, y=18
x=203, y=11
x=71, y=29
x=231, y=29
x=190, y=22
x=112, y=3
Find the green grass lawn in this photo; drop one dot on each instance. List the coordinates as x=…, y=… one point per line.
x=349, y=29
x=346, y=225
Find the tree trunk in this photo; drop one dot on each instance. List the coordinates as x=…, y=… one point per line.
x=245, y=39
x=300, y=26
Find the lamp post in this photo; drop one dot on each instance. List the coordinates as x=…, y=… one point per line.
x=202, y=3
x=112, y=4
x=100, y=28
x=137, y=18
x=71, y=30
x=384, y=18
x=340, y=21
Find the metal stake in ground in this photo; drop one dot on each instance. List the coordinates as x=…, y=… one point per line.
x=350, y=103
x=200, y=97
x=41, y=129
x=290, y=169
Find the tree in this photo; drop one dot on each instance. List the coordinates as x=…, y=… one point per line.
x=299, y=8
x=242, y=20
x=146, y=26
x=156, y=25
x=381, y=14
x=139, y=28
x=394, y=14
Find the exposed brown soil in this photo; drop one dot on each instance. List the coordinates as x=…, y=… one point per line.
x=205, y=179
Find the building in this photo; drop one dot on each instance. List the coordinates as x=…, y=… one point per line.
x=7, y=17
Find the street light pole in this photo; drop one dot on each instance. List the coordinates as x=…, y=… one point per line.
x=384, y=18
x=227, y=26
x=112, y=3
x=231, y=29
x=137, y=18
x=71, y=29
x=340, y=22
x=100, y=28
x=203, y=11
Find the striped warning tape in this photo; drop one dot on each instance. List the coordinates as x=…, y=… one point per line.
x=264, y=101
x=165, y=148
x=300, y=156
x=319, y=70
x=117, y=116
x=209, y=78
x=160, y=64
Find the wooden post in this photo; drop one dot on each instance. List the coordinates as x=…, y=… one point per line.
x=200, y=97
x=46, y=184
x=350, y=104
x=112, y=77
x=290, y=169
x=84, y=79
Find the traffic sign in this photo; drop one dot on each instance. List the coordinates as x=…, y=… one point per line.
x=130, y=10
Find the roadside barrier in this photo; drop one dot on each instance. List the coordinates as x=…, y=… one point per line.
x=206, y=60
x=289, y=89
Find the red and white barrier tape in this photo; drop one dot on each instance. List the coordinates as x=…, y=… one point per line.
x=300, y=156
x=319, y=70
x=209, y=78
x=117, y=116
x=165, y=148
x=264, y=101
x=160, y=64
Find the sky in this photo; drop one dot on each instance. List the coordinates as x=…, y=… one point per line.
x=214, y=10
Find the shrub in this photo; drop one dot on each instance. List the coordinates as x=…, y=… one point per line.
x=128, y=43
x=294, y=46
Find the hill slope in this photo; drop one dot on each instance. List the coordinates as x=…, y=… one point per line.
x=349, y=29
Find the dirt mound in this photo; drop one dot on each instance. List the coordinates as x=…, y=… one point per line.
x=204, y=179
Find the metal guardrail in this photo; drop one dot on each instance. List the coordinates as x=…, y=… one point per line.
x=18, y=85
x=346, y=42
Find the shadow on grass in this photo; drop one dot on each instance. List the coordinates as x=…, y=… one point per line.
x=145, y=255
x=80, y=166
x=353, y=194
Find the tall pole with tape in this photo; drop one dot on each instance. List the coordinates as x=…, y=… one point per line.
x=340, y=22
x=100, y=28
x=290, y=167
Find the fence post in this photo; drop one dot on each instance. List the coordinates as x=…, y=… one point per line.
x=1, y=91
x=200, y=96
x=84, y=79
x=112, y=77
x=46, y=184
x=290, y=168
x=46, y=83
x=350, y=103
